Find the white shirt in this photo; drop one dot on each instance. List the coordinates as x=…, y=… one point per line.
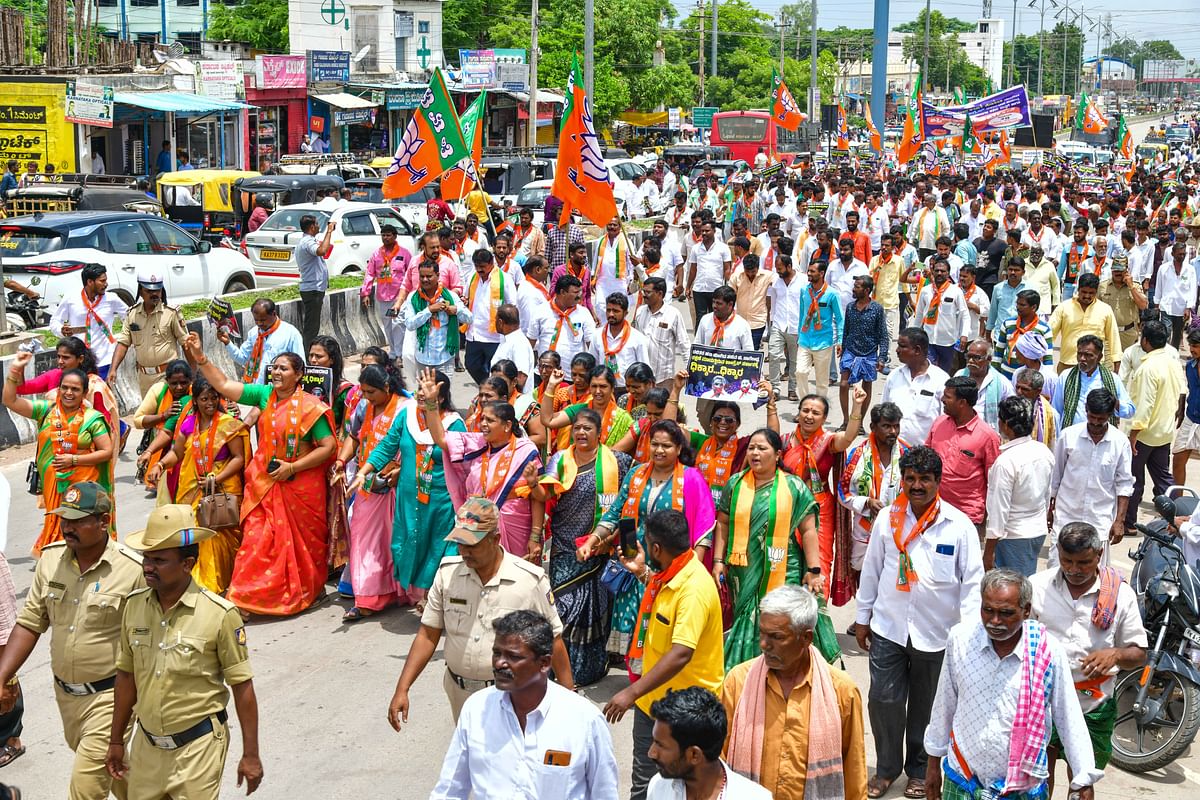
x=71, y=311
x=710, y=265
x=982, y=302
x=736, y=336
x=1018, y=490
x=670, y=257
x=841, y=278
x=577, y=339
x=633, y=351
x=1089, y=477
x=928, y=225
x=949, y=567
x=531, y=305
x=919, y=399
x=953, y=261
x=875, y=223
x=977, y=700
x=1175, y=293
x=974, y=225
x=1141, y=259
x=491, y=758
x=481, y=309
x=667, y=338
x=516, y=348
x=1070, y=621
x=1044, y=239
x=736, y=788
x=953, y=319
x=785, y=303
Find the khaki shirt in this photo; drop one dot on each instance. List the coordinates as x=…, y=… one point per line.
x=84, y=609
x=158, y=337
x=181, y=659
x=1120, y=298
x=461, y=606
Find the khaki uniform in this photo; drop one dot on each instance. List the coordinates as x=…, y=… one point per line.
x=156, y=341
x=83, y=612
x=181, y=660
x=460, y=606
x=1120, y=298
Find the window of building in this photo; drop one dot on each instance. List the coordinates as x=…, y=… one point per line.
x=187, y=2
x=423, y=27
x=365, y=29
x=106, y=3
x=144, y=3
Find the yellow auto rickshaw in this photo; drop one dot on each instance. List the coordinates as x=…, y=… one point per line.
x=201, y=200
x=383, y=163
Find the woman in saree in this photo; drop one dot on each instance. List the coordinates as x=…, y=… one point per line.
x=615, y=421
x=209, y=443
x=281, y=566
x=580, y=485
x=578, y=391
x=325, y=351
x=494, y=389
x=522, y=403
x=491, y=464
x=424, y=513
x=639, y=379
x=636, y=441
x=766, y=537
x=811, y=453
x=372, y=576
x=163, y=401
x=73, y=441
x=667, y=481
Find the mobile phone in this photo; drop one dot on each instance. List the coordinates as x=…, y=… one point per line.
x=627, y=531
x=391, y=312
x=273, y=465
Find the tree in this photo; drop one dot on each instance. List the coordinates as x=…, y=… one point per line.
x=797, y=17
x=263, y=24
x=948, y=63
x=1060, y=46
x=1129, y=50
x=938, y=22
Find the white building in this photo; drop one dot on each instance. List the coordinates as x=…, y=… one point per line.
x=164, y=20
x=382, y=37
x=983, y=46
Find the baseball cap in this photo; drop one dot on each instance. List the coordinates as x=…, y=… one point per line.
x=1120, y=264
x=169, y=526
x=84, y=499
x=476, y=519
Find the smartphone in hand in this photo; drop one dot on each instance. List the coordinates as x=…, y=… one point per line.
x=627, y=531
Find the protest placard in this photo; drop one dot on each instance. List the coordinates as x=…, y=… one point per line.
x=715, y=373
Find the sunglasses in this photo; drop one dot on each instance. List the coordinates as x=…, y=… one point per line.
x=717, y=420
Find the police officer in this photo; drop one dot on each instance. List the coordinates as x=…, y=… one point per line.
x=79, y=589
x=470, y=590
x=1127, y=300
x=179, y=646
x=151, y=327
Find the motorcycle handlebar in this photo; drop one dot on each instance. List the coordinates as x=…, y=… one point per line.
x=1161, y=538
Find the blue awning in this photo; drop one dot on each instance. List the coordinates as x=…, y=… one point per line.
x=177, y=102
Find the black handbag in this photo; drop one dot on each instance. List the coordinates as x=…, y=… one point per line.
x=33, y=478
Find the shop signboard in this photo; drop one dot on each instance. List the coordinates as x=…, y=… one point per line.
x=281, y=72
x=702, y=116
x=223, y=80
x=33, y=126
x=89, y=105
x=513, y=77
x=354, y=116
x=481, y=68
x=674, y=117
x=404, y=99
x=328, y=65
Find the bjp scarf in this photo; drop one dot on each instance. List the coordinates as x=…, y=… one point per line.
x=653, y=586
x=420, y=302
x=716, y=460
x=935, y=304
x=718, y=334
x=637, y=486
x=622, y=257
x=608, y=478
x=812, y=317
x=1075, y=258
x=497, y=290
x=610, y=349
x=906, y=574
x=562, y=320
x=254, y=363
x=779, y=525
x=93, y=314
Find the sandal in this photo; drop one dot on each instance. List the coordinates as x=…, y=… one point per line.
x=356, y=614
x=915, y=788
x=877, y=787
x=9, y=754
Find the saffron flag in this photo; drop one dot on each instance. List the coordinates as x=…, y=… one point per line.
x=783, y=106
x=910, y=139
x=432, y=142
x=581, y=177
x=843, y=141
x=1124, y=139
x=1093, y=120
x=876, y=139
x=465, y=174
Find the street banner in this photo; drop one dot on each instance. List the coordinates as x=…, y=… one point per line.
x=715, y=373
x=87, y=104
x=1005, y=109
x=432, y=143
x=910, y=139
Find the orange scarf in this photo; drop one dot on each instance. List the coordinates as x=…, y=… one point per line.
x=717, y=462
x=541, y=289
x=385, y=274
x=93, y=314
x=906, y=575
x=254, y=363
x=779, y=524
x=718, y=335
x=497, y=291
x=637, y=485
x=653, y=586
x=1075, y=258
x=430, y=299
x=290, y=436
x=375, y=428
x=1020, y=330
x=622, y=256
x=611, y=350
x=491, y=488
x=563, y=319
x=935, y=304
x=812, y=317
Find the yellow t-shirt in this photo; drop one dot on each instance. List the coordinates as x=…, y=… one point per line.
x=687, y=611
x=477, y=202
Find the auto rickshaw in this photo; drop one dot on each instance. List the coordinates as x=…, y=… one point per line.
x=381, y=163
x=285, y=190
x=77, y=192
x=201, y=200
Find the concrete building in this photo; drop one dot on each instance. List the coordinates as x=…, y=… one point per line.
x=383, y=37
x=185, y=21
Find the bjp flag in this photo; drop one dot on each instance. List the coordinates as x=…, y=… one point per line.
x=876, y=139
x=1093, y=120
x=843, y=141
x=910, y=139
x=969, y=142
x=581, y=177
x=1124, y=139
x=783, y=106
x=465, y=174
x=432, y=143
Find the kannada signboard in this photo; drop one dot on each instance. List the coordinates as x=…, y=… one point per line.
x=223, y=80
x=33, y=126
x=512, y=77
x=354, y=116
x=87, y=104
x=399, y=99
x=702, y=116
x=281, y=72
x=328, y=66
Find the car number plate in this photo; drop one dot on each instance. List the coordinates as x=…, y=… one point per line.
x=1191, y=636
x=275, y=255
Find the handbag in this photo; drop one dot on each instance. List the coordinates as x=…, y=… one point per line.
x=218, y=510
x=34, y=478
x=615, y=578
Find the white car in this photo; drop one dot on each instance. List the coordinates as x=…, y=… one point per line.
x=272, y=248
x=47, y=252
x=533, y=196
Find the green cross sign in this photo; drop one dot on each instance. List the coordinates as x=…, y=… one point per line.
x=423, y=53
x=333, y=11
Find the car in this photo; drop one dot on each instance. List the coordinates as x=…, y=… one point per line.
x=272, y=248
x=411, y=207
x=533, y=196
x=721, y=168
x=46, y=252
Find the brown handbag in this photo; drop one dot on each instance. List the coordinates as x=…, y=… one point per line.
x=218, y=510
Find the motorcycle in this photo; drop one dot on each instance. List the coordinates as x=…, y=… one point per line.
x=1158, y=706
x=25, y=313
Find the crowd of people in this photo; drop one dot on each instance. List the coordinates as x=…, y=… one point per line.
x=568, y=521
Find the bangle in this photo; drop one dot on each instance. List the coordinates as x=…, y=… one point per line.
x=74, y=460
x=718, y=561
x=672, y=400
x=203, y=363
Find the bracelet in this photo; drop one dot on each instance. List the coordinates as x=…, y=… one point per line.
x=14, y=378
x=74, y=460
x=672, y=400
x=431, y=406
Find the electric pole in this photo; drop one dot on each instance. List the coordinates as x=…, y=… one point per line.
x=813, y=89
x=589, y=47
x=782, y=52
x=713, y=66
x=925, y=61
x=700, y=21
x=1012, y=56
x=533, y=73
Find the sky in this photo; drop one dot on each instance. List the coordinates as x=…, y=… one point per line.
x=1175, y=20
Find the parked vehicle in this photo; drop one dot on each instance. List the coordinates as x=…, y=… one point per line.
x=411, y=207
x=272, y=248
x=340, y=164
x=722, y=169
x=79, y=192
x=201, y=201
x=284, y=190
x=504, y=172
x=1158, y=706
x=25, y=313
x=46, y=253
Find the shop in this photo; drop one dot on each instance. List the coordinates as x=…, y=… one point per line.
x=347, y=122
x=213, y=132
x=395, y=104
x=33, y=126
x=278, y=90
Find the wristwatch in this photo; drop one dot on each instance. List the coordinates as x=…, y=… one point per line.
x=814, y=570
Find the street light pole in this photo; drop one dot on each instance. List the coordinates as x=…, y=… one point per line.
x=812, y=68
x=533, y=73
x=589, y=48
x=925, y=61
x=713, y=65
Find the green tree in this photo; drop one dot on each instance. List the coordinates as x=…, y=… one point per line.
x=262, y=24
x=949, y=66
x=797, y=17
x=1060, y=47
x=1128, y=49
x=937, y=22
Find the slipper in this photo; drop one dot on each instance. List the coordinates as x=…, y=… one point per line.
x=877, y=786
x=915, y=788
x=356, y=614
x=9, y=754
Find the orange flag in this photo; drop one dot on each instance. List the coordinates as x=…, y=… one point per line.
x=581, y=178
x=910, y=140
x=1093, y=120
x=783, y=107
x=432, y=143
x=465, y=174
x=843, y=142
x=876, y=139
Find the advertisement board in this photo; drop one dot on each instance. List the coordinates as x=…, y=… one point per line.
x=33, y=126
x=87, y=104
x=281, y=72
x=223, y=80
x=328, y=66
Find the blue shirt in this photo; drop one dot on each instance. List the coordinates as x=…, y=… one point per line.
x=1193, y=396
x=866, y=332
x=1086, y=384
x=967, y=252
x=826, y=326
x=163, y=162
x=1004, y=303
x=285, y=339
x=314, y=274
x=7, y=183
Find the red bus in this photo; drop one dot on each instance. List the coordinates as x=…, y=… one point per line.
x=744, y=132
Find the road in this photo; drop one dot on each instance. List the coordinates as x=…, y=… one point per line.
x=323, y=687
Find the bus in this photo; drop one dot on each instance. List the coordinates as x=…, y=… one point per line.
x=744, y=132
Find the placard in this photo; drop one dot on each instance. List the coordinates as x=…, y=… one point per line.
x=715, y=373
x=220, y=314
x=317, y=381
x=87, y=104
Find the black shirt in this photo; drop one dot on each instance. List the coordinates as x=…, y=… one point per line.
x=991, y=254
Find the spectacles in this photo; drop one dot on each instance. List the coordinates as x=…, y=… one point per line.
x=717, y=420
x=972, y=357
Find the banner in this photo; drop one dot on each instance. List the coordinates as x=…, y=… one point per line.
x=715, y=373
x=1006, y=109
x=87, y=104
x=220, y=79
x=281, y=72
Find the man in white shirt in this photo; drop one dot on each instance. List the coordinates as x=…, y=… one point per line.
x=843, y=270
x=487, y=289
x=527, y=736
x=725, y=329
x=670, y=256
x=89, y=317
x=916, y=387
x=617, y=344
x=614, y=265
x=1141, y=257
x=533, y=296
x=277, y=337
x=643, y=198
x=907, y=602
x=1175, y=291
x=1018, y=492
x=928, y=225
x=942, y=312
x=875, y=221
x=709, y=266
x=784, y=298
x=565, y=327
x=515, y=346
x=679, y=219
x=667, y=337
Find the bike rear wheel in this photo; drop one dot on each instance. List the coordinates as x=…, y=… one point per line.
x=1139, y=747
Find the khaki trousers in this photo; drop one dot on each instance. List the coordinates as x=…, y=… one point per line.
x=456, y=694
x=193, y=772
x=87, y=722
